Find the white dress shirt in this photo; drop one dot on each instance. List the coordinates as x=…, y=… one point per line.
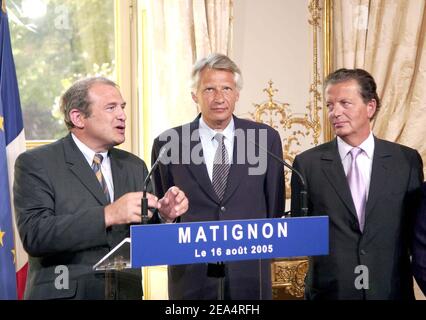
x=89, y=154
x=365, y=159
x=210, y=144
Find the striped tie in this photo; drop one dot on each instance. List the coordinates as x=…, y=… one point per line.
x=96, y=167
x=220, y=167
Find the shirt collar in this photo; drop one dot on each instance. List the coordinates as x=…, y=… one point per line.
x=88, y=153
x=367, y=145
x=208, y=132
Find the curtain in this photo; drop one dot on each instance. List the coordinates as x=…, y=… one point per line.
x=212, y=26
x=180, y=32
x=387, y=37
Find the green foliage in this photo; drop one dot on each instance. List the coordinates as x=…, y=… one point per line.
x=74, y=39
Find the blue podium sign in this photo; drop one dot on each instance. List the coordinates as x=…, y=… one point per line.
x=230, y=240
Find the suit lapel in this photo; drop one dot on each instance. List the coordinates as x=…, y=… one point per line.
x=119, y=176
x=81, y=169
x=199, y=171
x=333, y=170
x=379, y=175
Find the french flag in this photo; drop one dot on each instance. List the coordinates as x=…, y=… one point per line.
x=13, y=258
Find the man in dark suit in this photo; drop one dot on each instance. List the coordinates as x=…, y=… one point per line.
x=369, y=189
x=211, y=162
x=76, y=197
x=419, y=244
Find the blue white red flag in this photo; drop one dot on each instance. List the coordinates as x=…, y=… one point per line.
x=13, y=259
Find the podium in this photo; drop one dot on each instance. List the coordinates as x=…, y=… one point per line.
x=209, y=242
x=213, y=242
x=228, y=240
x=121, y=281
x=117, y=259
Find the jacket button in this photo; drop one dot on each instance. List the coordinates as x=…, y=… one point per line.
x=362, y=252
x=223, y=209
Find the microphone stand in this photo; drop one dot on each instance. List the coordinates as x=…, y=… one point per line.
x=221, y=288
x=303, y=199
x=144, y=208
x=303, y=193
x=217, y=270
x=144, y=200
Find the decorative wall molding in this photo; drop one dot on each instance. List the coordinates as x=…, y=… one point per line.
x=288, y=278
x=327, y=23
x=297, y=130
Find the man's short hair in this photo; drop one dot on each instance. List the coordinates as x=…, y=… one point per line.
x=367, y=85
x=216, y=61
x=77, y=97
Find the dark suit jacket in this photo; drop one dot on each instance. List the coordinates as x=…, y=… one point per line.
x=419, y=244
x=246, y=197
x=383, y=247
x=60, y=215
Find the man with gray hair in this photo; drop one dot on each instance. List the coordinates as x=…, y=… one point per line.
x=219, y=182
x=76, y=198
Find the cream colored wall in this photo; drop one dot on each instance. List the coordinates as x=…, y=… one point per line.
x=272, y=40
x=155, y=283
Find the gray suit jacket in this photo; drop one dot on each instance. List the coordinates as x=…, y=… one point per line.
x=60, y=215
x=383, y=247
x=246, y=197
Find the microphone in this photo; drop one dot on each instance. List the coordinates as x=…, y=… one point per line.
x=303, y=192
x=144, y=200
